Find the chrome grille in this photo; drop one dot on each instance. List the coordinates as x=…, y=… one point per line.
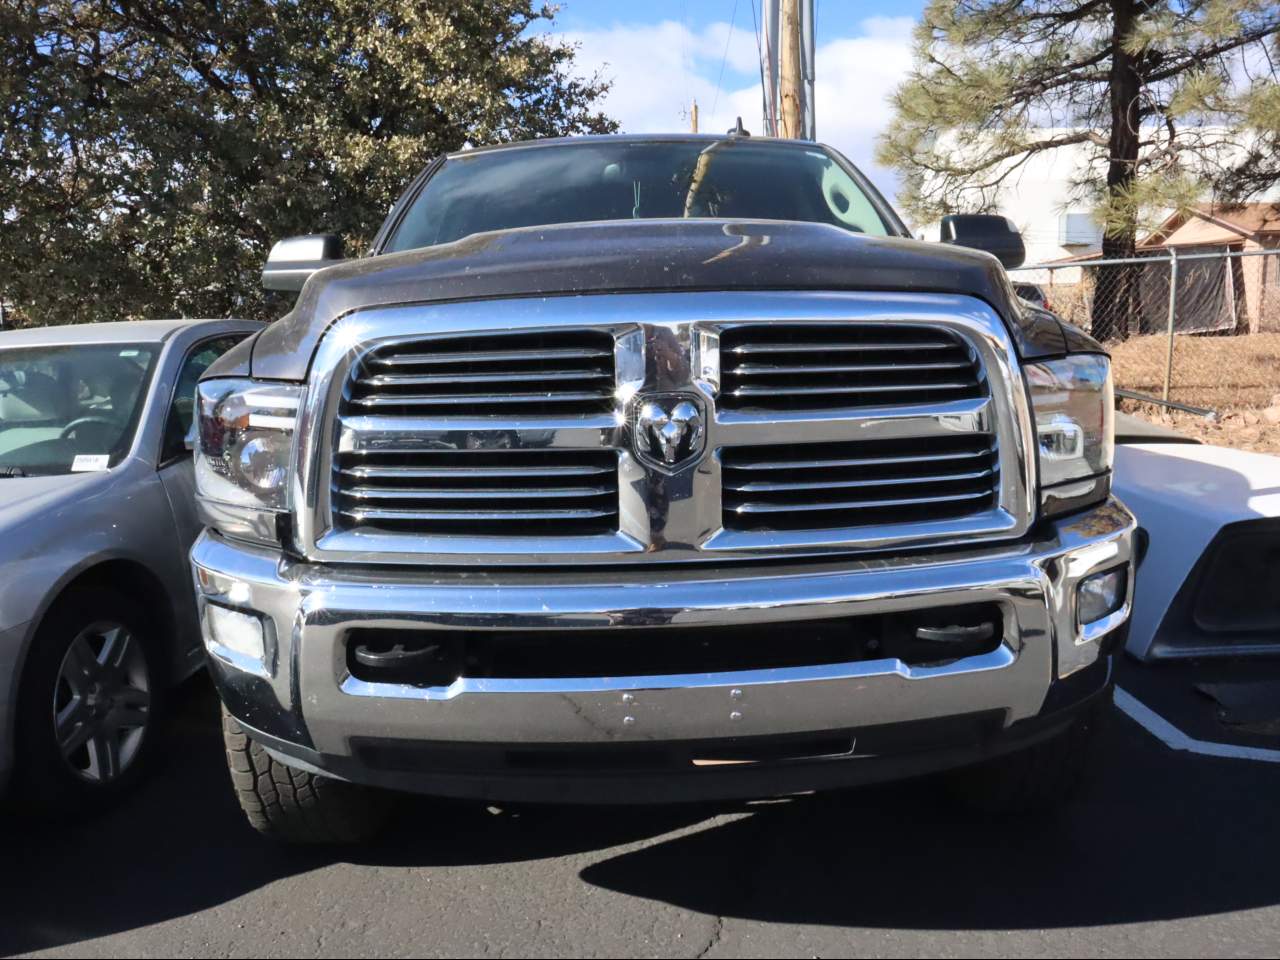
x=512, y=493
x=800, y=366
x=505, y=432
x=814, y=486
x=551, y=372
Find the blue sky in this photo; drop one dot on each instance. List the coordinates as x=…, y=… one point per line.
x=661, y=54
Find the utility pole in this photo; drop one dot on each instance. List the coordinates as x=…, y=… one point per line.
x=693, y=118
x=790, y=74
x=787, y=52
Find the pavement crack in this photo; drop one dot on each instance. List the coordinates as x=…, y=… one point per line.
x=716, y=932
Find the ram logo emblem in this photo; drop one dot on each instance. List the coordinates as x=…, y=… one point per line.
x=670, y=430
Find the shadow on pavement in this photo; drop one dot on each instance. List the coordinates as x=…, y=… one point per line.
x=1161, y=836
x=1158, y=835
x=181, y=845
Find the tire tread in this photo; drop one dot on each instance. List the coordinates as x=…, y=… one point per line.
x=296, y=806
x=1041, y=776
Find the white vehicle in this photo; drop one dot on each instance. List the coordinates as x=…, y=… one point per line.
x=1211, y=583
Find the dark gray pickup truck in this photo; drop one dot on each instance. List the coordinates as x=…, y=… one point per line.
x=634, y=469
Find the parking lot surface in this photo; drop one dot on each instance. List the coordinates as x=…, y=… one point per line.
x=1164, y=853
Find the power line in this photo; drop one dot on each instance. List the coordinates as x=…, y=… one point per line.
x=733, y=16
x=684, y=45
x=764, y=91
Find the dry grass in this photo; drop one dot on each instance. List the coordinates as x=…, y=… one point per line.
x=1221, y=373
x=1236, y=377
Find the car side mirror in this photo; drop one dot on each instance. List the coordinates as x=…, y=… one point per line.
x=986, y=231
x=294, y=259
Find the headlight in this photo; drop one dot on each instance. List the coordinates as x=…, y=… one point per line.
x=243, y=449
x=1074, y=405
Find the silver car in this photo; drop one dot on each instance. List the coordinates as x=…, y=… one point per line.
x=97, y=617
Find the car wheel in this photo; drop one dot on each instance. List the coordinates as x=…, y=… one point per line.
x=89, y=703
x=296, y=806
x=1039, y=777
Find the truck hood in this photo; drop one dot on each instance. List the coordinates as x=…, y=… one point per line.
x=633, y=256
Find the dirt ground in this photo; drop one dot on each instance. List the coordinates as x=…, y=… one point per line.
x=1243, y=429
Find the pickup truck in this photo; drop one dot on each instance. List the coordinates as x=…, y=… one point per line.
x=642, y=469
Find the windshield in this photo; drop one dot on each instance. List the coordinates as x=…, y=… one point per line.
x=591, y=180
x=70, y=409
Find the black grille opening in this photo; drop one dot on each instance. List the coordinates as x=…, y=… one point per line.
x=800, y=367
x=858, y=483
x=511, y=493
x=435, y=658
x=522, y=374
x=621, y=756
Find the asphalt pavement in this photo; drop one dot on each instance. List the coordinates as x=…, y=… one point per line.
x=1164, y=853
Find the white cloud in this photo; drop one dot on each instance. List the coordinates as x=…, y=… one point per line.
x=855, y=77
x=659, y=69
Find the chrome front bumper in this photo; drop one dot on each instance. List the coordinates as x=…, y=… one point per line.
x=303, y=696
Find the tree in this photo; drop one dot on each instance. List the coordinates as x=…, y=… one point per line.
x=1170, y=100
x=152, y=150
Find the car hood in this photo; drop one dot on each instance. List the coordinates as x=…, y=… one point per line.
x=641, y=256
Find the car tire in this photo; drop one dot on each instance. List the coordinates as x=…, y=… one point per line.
x=296, y=806
x=1041, y=776
x=90, y=704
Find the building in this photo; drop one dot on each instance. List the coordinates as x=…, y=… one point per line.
x=1248, y=287
x=1042, y=198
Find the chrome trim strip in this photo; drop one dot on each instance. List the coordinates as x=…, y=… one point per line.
x=770, y=486
x=858, y=504
x=758, y=390
x=664, y=342
x=491, y=376
x=366, y=492
x=792, y=464
x=471, y=473
x=834, y=347
x=491, y=356
x=462, y=399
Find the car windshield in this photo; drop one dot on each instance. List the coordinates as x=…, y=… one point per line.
x=621, y=180
x=70, y=409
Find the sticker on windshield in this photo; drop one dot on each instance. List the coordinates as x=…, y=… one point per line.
x=90, y=462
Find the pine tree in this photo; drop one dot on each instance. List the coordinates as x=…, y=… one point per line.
x=152, y=150
x=1172, y=101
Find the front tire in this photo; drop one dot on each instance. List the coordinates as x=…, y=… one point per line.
x=294, y=806
x=89, y=705
x=1040, y=777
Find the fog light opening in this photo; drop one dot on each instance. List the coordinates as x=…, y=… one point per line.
x=236, y=636
x=1101, y=595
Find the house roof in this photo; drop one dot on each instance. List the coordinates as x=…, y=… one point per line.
x=1219, y=224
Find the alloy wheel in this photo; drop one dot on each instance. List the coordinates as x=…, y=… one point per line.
x=101, y=702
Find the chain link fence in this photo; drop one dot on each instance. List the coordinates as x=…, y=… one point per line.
x=1198, y=327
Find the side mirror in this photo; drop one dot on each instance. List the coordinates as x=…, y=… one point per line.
x=294, y=259
x=986, y=231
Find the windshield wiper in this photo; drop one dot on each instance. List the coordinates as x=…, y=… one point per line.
x=12, y=472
